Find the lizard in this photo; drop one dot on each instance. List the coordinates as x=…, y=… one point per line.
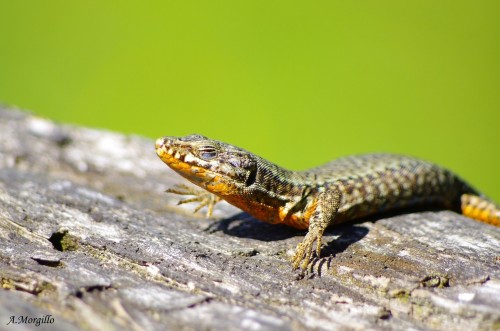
x=342, y=190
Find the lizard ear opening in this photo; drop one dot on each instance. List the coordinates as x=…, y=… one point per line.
x=252, y=175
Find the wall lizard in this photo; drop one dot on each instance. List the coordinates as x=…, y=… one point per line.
x=344, y=189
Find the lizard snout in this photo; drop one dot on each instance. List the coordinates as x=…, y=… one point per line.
x=163, y=141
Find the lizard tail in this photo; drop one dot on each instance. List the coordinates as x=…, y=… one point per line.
x=480, y=209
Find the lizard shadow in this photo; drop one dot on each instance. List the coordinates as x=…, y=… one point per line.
x=345, y=235
x=243, y=225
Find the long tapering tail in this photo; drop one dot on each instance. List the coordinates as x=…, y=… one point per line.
x=480, y=208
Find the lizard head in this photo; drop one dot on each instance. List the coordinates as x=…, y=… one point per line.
x=213, y=165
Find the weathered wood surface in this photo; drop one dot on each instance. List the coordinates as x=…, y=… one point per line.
x=88, y=236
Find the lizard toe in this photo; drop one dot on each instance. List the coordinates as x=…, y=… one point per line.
x=304, y=250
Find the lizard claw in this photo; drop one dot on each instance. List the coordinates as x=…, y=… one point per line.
x=304, y=250
x=206, y=199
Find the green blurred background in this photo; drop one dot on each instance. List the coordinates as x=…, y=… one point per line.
x=296, y=82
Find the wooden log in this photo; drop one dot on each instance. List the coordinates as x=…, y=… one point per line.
x=89, y=238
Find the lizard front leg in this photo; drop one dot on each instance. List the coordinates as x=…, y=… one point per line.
x=325, y=207
x=206, y=199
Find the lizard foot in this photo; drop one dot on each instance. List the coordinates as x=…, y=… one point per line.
x=203, y=197
x=304, y=250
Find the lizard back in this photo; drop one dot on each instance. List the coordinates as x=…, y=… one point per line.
x=373, y=183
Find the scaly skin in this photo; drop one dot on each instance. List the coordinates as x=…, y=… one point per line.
x=340, y=191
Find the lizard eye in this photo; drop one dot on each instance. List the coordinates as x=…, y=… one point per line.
x=207, y=152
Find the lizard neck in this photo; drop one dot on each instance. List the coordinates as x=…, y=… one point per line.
x=277, y=182
x=274, y=194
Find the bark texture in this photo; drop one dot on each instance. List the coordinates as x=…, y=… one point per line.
x=88, y=236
